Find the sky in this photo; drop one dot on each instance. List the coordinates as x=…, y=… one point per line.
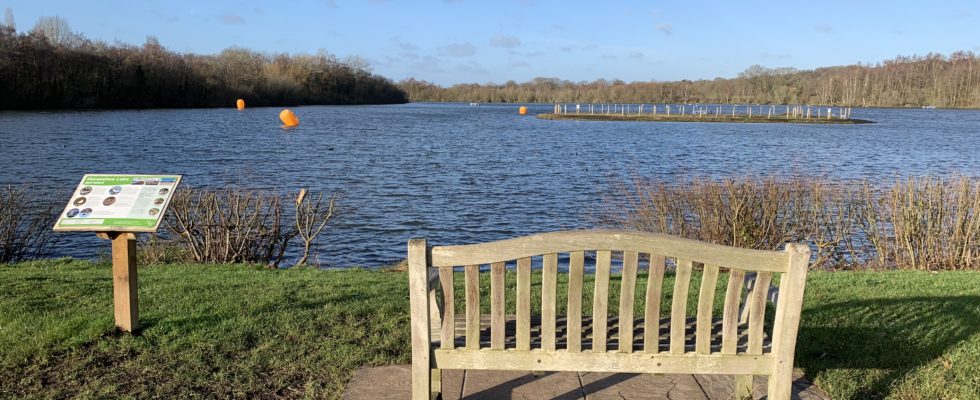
x=469, y=41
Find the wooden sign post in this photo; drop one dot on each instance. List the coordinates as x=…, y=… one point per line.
x=125, y=296
x=116, y=207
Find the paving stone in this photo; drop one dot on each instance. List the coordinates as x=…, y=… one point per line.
x=390, y=382
x=394, y=382
x=521, y=385
x=601, y=386
x=452, y=384
x=719, y=387
x=803, y=389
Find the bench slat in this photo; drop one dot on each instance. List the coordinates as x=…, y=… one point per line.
x=609, y=362
x=510, y=340
x=576, y=271
x=651, y=313
x=448, y=308
x=757, y=311
x=497, y=303
x=549, y=281
x=706, y=299
x=733, y=298
x=472, y=273
x=600, y=300
x=524, y=303
x=678, y=311
x=627, y=289
x=563, y=242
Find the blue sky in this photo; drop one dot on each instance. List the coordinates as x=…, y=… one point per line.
x=457, y=41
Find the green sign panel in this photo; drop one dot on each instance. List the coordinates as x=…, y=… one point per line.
x=118, y=203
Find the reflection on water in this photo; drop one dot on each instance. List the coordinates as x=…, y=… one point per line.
x=455, y=173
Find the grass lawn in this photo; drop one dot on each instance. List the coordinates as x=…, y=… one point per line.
x=248, y=332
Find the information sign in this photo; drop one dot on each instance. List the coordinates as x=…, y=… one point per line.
x=118, y=203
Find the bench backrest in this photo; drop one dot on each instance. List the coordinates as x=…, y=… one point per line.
x=686, y=255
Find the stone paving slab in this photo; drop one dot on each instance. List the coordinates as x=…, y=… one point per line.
x=604, y=385
x=491, y=385
x=393, y=382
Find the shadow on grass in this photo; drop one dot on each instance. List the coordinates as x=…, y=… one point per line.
x=893, y=335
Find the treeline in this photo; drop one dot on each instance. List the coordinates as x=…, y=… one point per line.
x=934, y=79
x=52, y=67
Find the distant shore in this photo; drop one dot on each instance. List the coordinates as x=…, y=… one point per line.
x=780, y=119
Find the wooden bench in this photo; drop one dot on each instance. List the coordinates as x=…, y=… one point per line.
x=679, y=344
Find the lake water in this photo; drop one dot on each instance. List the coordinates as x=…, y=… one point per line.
x=455, y=173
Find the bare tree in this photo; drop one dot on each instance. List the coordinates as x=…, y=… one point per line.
x=8, y=19
x=25, y=225
x=311, y=218
x=57, y=31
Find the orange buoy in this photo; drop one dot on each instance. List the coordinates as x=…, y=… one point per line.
x=522, y=110
x=240, y=104
x=288, y=118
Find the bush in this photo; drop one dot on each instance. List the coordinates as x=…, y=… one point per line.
x=920, y=223
x=925, y=223
x=235, y=225
x=25, y=225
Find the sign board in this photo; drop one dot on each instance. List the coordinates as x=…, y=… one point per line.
x=118, y=203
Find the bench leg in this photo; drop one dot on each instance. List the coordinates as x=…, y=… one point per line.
x=781, y=384
x=743, y=387
x=436, y=387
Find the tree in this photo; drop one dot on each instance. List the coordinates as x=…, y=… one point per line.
x=942, y=81
x=57, y=31
x=51, y=67
x=8, y=19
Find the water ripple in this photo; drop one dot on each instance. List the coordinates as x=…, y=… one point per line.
x=454, y=173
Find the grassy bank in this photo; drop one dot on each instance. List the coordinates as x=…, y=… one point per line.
x=706, y=118
x=246, y=331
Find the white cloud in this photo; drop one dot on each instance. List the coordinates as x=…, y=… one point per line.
x=471, y=68
x=165, y=17
x=404, y=46
x=576, y=47
x=426, y=64
x=667, y=29
x=464, y=49
x=231, y=19
x=506, y=41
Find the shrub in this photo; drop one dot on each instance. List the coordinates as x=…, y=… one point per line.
x=919, y=223
x=25, y=225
